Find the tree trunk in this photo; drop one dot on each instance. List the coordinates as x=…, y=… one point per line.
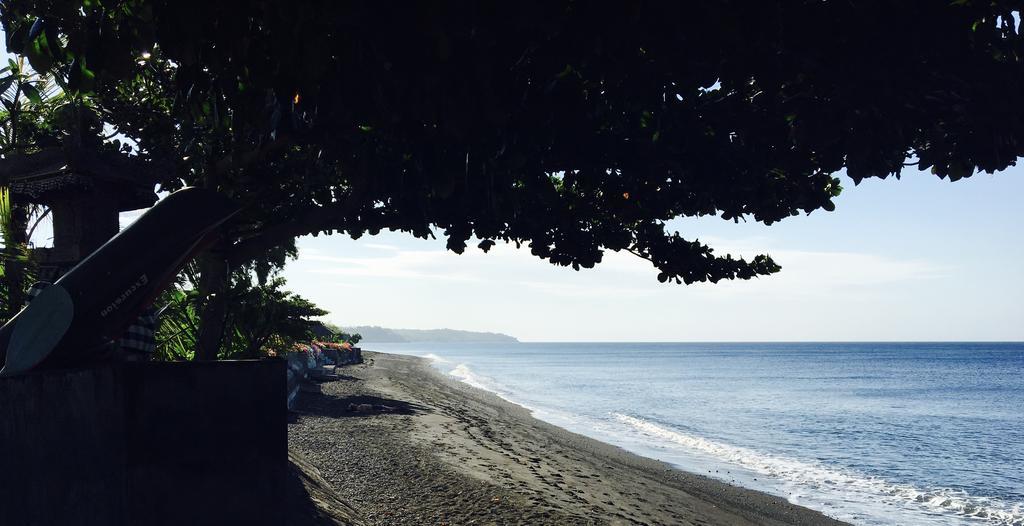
x=253, y=349
x=213, y=285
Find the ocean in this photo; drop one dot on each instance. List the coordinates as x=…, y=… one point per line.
x=869, y=433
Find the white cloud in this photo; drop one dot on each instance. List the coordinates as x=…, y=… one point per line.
x=820, y=294
x=573, y=290
x=827, y=274
x=804, y=274
x=381, y=246
x=403, y=264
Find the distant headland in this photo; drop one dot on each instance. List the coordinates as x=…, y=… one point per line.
x=374, y=334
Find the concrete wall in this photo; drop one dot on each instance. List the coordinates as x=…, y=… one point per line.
x=344, y=357
x=298, y=370
x=145, y=443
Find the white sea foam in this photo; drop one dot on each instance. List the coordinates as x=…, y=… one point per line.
x=471, y=378
x=464, y=373
x=435, y=358
x=852, y=490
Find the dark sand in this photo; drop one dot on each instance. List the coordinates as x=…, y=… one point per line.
x=436, y=451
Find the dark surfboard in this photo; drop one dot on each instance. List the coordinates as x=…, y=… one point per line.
x=71, y=320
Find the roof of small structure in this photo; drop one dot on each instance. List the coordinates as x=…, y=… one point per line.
x=320, y=330
x=38, y=177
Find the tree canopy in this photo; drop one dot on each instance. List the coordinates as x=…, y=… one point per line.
x=570, y=127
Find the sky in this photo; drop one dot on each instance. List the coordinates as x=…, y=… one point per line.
x=919, y=259
x=916, y=259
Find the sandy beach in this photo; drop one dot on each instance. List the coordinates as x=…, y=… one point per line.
x=401, y=443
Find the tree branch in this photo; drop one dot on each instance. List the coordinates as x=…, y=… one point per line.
x=311, y=221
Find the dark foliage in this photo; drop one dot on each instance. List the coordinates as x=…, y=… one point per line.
x=571, y=127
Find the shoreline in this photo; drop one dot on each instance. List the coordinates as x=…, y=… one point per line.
x=421, y=447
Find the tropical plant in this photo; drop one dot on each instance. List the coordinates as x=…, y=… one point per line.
x=178, y=310
x=350, y=338
x=5, y=232
x=341, y=336
x=262, y=316
x=263, y=312
x=28, y=103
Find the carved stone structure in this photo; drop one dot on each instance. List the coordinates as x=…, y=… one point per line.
x=85, y=191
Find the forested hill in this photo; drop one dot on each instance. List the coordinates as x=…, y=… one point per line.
x=373, y=334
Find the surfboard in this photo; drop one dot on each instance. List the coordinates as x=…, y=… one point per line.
x=94, y=302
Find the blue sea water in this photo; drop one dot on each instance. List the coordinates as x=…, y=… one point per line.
x=870, y=433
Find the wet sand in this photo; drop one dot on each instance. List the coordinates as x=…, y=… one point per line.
x=402, y=443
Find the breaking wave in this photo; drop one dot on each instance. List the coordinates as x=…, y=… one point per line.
x=839, y=484
x=464, y=373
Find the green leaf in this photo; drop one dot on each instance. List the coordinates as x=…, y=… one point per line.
x=74, y=76
x=38, y=53
x=6, y=82
x=960, y=171
x=645, y=119
x=81, y=78
x=37, y=29
x=32, y=93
